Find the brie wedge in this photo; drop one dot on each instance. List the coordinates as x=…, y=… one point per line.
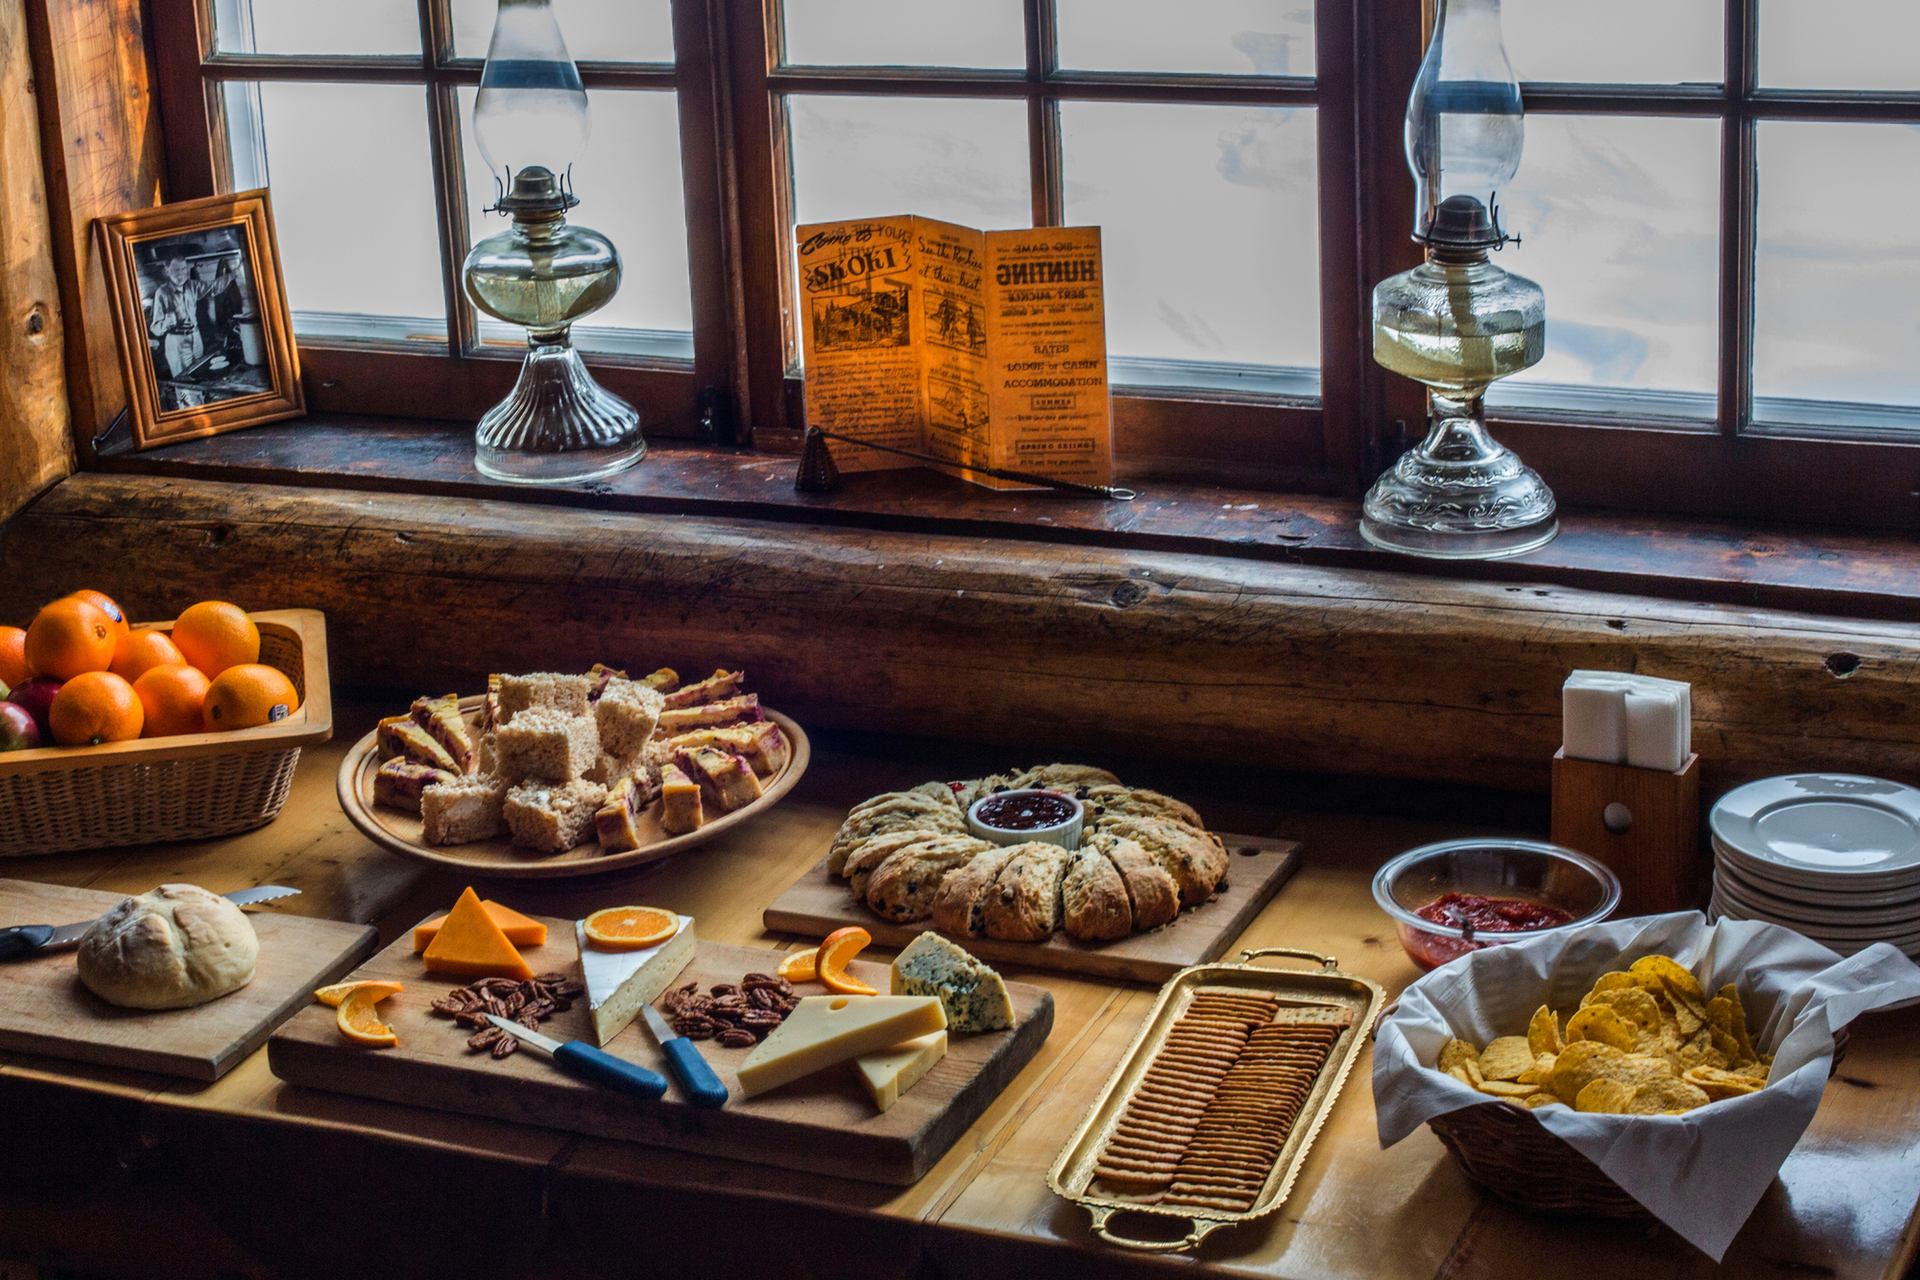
x=619, y=982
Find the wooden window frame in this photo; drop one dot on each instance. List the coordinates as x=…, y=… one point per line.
x=730, y=84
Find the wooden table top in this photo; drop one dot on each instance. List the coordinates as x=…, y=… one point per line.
x=248, y=1163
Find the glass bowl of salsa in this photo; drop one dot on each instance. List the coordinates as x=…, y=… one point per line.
x=1458, y=896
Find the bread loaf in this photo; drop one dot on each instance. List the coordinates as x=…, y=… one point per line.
x=172, y=948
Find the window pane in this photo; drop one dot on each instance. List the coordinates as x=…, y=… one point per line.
x=1839, y=44
x=628, y=181
x=905, y=33
x=595, y=30
x=1838, y=269
x=302, y=26
x=961, y=160
x=1219, y=37
x=1618, y=217
x=1620, y=42
x=1211, y=236
x=326, y=150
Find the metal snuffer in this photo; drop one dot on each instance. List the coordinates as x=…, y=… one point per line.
x=1275, y=1080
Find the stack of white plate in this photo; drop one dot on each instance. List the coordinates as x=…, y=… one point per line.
x=1833, y=856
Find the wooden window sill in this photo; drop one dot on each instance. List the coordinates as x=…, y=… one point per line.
x=1845, y=573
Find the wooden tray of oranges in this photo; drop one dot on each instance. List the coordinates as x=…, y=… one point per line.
x=191, y=784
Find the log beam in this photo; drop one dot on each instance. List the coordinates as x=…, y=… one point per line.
x=1025, y=644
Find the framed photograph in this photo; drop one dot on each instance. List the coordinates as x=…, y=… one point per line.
x=206, y=337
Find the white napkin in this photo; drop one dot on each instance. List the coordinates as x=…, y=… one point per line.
x=1700, y=1173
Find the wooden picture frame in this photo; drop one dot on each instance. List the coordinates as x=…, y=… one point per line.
x=204, y=330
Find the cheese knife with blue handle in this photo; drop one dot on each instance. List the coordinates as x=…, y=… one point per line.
x=584, y=1062
x=690, y=1071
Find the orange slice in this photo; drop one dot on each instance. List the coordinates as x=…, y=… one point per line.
x=830, y=962
x=800, y=966
x=629, y=928
x=333, y=995
x=357, y=1019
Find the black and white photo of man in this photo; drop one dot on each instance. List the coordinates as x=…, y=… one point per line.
x=202, y=320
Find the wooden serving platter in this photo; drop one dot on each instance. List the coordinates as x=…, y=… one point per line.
x=48, y=1011
x=819, y=902
x=823, y=1124
x=399, y=831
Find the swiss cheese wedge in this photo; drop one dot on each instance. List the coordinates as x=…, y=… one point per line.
x=471, y=945
x=520, y=930
x=824, y=1031
x=892, y=1072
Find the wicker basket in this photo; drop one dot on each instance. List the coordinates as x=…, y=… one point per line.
x=1513, y=1157
x=189, y=787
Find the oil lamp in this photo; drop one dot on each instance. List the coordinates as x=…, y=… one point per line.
x=1457, y=323
x=557, y=425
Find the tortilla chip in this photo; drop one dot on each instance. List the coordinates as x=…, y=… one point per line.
x=1604, y=1095
x=1506, y=1058
x=1666, y=1097
x=1579, y=1064
x=1543, y=1032
x=1600, y=1022
x=1462, y=1061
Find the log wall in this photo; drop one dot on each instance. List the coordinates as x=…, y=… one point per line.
x=35, y=447
x=1018, y=643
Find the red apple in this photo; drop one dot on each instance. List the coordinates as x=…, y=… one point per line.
x=36, y=695
x=18, y=732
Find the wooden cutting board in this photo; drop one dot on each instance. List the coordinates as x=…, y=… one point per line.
x=825, y=1124
x=48, y=1011
x=819, y=902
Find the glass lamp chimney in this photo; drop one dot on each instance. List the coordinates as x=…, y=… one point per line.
x=531, y=109
x=1465, y=128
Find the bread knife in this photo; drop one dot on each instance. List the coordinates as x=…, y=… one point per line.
x=582, y=1061
x=33, y=939
x=689, y=1070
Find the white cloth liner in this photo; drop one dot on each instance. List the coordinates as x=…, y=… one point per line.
x=1700, y=1173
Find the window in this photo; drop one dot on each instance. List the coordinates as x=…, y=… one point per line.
x=1715, y=194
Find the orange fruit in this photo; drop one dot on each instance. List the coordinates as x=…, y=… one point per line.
x=69, y=638
x=332, y=995
x=249, y=695
x=629, y=928
x=95, y=707
x=215, y=635
x=358, y=1020
x=141, y=651
x=800, y=966
x=174, y=699
x=13, y=656
x=107, y=605
x=830, y=962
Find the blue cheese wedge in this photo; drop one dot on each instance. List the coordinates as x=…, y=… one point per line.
x=974, y=996
x=619, y=982
x=892, y=1072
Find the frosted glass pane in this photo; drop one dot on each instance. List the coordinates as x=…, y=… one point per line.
x=1217, y=37
x=1210, y=228
x=628, y=181
x=316, y=146
x=1838, y=265
x=1618, y=217
x=302, y=26
x=959, y=159
x=595, y=30
x=1840, y=44
x=905, y=33
x=1619, y=42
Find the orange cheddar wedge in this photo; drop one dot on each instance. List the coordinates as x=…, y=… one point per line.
x=471, y=945
x=520, y=930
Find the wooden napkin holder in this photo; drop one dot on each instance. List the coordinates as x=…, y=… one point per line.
x=1644, y=824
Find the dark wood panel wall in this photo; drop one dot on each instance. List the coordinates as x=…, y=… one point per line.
x=35, y=449
x=1023, y=644
x=100, y=138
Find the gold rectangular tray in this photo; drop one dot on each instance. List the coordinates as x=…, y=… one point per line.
x=1357, y=998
